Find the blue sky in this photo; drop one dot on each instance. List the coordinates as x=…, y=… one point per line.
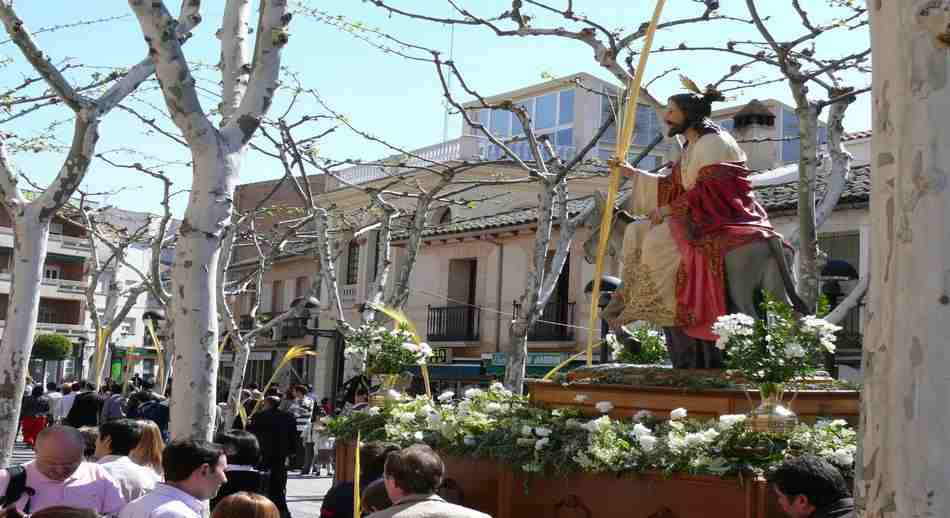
x=385, y=95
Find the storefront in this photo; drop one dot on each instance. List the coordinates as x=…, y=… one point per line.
x=538, y=363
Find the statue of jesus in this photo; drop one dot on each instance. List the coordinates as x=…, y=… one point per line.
x=673, y=273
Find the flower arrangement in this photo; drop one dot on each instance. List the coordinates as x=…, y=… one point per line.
x=497, y=424
x=652, y=347
x=382, y=350
x=775, y=349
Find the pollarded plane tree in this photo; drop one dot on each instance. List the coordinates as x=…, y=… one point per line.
x=250, y=67
x=31, y=214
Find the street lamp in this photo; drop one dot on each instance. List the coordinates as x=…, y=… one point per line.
x=608, y=285
x=309, y=303
x=79, y=368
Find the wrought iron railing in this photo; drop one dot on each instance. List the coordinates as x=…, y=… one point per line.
x=556, y=323
x=452, y=324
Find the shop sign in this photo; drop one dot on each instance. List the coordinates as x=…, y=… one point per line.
x=534, y=359
x=441, y=355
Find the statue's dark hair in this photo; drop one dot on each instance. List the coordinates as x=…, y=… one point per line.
x=696, y=107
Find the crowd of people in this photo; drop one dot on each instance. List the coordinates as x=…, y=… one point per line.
x=106, y=454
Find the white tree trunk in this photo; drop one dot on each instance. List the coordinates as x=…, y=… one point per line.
x=195, y=291
x=242, y=354
x=30, y=233
x=904, y=466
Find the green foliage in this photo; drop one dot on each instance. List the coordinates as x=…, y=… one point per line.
x=777, y=348
x=499, y=425
x=384, y=351
x=652, y=351
x=52, y=347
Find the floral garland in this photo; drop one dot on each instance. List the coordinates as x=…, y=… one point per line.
x=499, y=425
x=382, y=350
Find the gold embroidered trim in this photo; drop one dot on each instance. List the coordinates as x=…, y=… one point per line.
x=641, y=296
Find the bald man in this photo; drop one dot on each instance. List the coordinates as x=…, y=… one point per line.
x=59, y=476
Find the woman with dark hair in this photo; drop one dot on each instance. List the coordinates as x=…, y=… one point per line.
x=244, y=455
x=62, y=511
x=33, y=414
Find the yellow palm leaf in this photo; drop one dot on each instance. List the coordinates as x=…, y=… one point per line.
x=401, y=320
x=295, y=352
x=690, y=85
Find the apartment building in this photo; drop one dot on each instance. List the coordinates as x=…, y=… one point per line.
x=472, y=268
x=62, y=307
x=288, y=279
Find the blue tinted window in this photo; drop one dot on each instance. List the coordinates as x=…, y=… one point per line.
x=566, y=110
x=648, y=125
x=565, y=137
x=545, y=111
x=791, y=149
x=499, y=122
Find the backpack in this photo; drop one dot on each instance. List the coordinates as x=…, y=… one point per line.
x=16, y=487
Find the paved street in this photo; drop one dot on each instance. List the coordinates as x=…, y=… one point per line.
x=304, y=494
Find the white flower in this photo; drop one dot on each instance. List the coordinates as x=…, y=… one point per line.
x=639, y=430
x=497, y=387
x=472, y=393
x=694, y=438
x=729, y=420
x=526, y=431
x=837, y=423
x=492, y=407
x=794, y=350
x=596, y=425
x=647, y=442
x=678, y=413
x=406, y=418
x=843, y=457
x=411, y=347
x=417, y=436
x=446, y=396
x=642, y=414
x=373, y=410
x=424, y=350
x=326, y=419
x=468, y=440
x=604, y=406
x=542, y=432
x=580, y=398
x=541, y=443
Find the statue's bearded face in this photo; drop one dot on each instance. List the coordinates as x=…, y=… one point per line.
x=675, y=118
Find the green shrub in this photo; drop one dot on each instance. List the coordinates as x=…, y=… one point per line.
x=52, y=347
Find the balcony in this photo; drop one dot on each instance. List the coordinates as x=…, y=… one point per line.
x=452, y=324
x=556, y=323
x=467, y=147
x=348, y=293
x=62, y=329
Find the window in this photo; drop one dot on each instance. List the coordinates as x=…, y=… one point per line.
x=566, y=108
x=648, y=126
x=608, y=108
x=52, y=271
x=301, y=285
x=277, y=297
x=565, y=137
x=56, y=227
x=545, y=115
x=47, y=314
x=516, y=127
x=499, y=123
x=352, y=263
x=791, y=149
